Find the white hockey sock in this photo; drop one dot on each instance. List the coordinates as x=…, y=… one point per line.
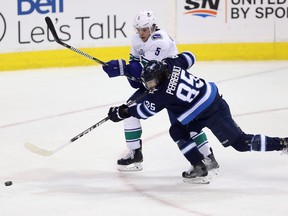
x=201, y=142
x=133, y=132
x=205, y=149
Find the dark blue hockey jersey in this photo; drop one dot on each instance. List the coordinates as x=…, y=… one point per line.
x=182, y=94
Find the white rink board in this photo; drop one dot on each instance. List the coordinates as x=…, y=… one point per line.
x=90, y=23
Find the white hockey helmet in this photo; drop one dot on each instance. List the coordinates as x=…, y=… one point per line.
x=145, y=19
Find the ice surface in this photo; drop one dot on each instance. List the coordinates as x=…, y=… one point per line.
x=50, y=106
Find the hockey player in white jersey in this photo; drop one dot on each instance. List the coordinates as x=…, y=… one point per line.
x=149, y=43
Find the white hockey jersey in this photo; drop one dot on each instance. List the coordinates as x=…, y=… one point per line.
x=159, y=46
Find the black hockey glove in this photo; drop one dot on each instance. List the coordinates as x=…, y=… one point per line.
x=117, y=114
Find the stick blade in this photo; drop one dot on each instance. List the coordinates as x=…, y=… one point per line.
x=52, y=29
x=37, y=150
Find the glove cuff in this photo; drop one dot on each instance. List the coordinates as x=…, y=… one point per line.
x=122, y=66
x=122, y=112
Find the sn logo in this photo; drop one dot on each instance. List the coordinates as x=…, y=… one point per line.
x=41, y=6
x=202, y=8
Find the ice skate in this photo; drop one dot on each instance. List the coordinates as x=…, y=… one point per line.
x=197, y=174
x=211, y=163
x=132, y=161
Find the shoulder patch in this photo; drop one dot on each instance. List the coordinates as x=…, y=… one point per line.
x=157, y=36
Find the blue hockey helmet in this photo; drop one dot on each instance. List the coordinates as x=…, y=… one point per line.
x=153, y=73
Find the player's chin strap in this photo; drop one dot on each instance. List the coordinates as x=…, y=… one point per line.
x=31, y=147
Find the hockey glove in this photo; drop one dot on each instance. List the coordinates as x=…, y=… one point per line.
x=115, y=68
x=117, y=114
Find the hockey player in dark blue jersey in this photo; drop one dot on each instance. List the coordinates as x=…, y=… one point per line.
x=132, y=162
x=195, y=104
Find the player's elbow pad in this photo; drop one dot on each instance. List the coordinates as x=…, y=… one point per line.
x=188, y=59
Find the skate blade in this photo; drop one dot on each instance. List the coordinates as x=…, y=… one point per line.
x=130, y=168
x=197, y=180
x=212, y=174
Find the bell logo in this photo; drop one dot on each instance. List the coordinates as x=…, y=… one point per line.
x=202, y=8
x=41, y=6
x=2, y=27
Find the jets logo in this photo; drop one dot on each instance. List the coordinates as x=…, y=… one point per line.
x=2, y=27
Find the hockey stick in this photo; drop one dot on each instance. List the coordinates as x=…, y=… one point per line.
x=45, y=152
x=57, y=39
x=31, y=147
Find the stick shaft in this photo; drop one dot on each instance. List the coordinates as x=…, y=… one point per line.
x=57, y=39
x=89, y=129
x=45, y=152
x=105, y=119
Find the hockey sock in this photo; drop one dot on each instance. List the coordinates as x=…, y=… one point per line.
x=133, y=132
x=201, y=142
x=264, y=143
x=190, y=151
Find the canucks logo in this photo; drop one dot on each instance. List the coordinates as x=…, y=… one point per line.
x=202, y=8
x=156, y=36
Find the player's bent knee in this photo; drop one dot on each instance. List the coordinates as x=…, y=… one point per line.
x=178, y=132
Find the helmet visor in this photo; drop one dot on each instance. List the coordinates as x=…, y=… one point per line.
x=151, y=84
